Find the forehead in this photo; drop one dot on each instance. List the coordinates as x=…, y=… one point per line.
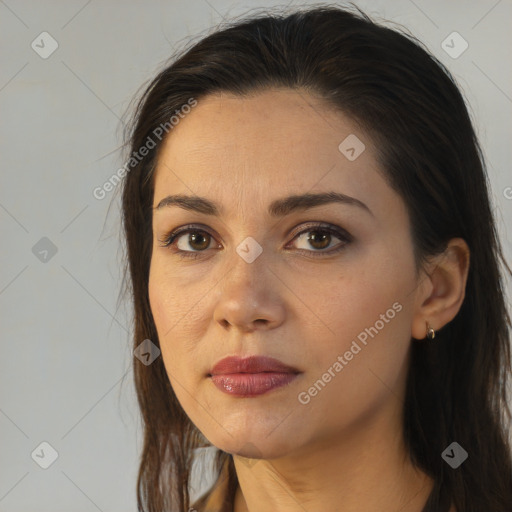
x=263, y=145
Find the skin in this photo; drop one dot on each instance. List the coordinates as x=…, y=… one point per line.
x=344, y=449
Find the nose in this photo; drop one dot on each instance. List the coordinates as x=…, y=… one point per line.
x=249, y=297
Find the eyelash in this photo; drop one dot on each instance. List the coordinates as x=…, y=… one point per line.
x=344, y=236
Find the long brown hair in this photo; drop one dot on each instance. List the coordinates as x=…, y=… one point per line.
x=410, y=105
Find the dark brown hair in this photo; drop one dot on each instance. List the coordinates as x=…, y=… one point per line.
x=410, y=106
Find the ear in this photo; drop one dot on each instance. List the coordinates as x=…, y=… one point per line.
x=443, y=288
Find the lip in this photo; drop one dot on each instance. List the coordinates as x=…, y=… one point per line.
x=251, y=376
x=251, y=364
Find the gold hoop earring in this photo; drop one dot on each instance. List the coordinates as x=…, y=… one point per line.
x=431, y=333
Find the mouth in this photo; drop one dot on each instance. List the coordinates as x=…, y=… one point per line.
x=251, y=376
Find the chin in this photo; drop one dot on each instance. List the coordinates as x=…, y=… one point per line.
x=255, y=444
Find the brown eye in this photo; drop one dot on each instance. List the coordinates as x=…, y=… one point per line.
x=196, y=240
x=190, y=242
x=320, y=239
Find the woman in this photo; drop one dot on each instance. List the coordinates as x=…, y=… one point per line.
x=311, y=247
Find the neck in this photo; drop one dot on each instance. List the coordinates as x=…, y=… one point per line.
x=359, y=470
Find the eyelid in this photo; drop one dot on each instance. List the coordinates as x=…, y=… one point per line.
x=321, y=226
x=343, y=235
x=175, y=233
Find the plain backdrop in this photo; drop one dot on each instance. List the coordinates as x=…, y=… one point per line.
x=65, y=366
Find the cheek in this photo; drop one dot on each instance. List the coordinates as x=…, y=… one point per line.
x=346, y=302
x=179, y=321
x=359, y=366
x=169, y=300
x=165, y=311
x=165, y=315
x=364, y=315
x=159, y=302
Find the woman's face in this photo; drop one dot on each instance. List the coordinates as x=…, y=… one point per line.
x=336, y=306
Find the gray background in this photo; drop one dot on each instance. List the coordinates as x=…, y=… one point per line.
x=65, y=370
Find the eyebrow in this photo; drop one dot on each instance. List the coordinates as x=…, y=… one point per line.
x=278, y=208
